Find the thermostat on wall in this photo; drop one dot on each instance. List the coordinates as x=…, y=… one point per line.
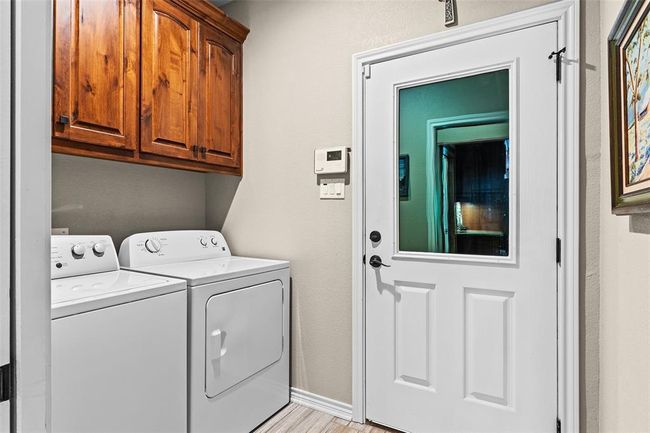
x=331, y=160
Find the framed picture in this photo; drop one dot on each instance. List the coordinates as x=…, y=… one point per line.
x=629, y=108
x=404, y=176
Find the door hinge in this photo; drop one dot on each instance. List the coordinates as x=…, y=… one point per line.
x=558, y=426
x=558, y=62
x=364, y=259
x=6, y=383
x=558, y=250
x=366, y=71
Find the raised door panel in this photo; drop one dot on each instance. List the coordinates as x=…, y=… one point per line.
x=96, y=67
x=219, y=122
x=169, y=80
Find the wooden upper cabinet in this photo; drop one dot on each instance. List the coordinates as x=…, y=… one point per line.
x=220, y=95
x=155, y=82
x=169, y=80
x=96, y=72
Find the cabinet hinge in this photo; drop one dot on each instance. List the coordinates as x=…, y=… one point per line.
x=366, y=71
x=6, y=383
x=558, y=62
x=558, y=426
x=558, y=250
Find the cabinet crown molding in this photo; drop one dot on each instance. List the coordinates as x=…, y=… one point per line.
x=216, y=17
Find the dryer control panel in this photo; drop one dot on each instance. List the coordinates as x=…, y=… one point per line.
x=82, y=255
x=157, y=248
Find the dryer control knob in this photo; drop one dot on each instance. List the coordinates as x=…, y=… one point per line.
x=152, y=245
x=204, y=242
x=214, y=241
x=78, y=251
x=99, y=249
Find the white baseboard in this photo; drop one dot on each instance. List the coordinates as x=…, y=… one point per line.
x=320, y=403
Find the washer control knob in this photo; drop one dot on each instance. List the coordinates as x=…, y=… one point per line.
x=152, y=245
x=99, y=249
x=78, y=251
x=204, y=242
x=214, y=241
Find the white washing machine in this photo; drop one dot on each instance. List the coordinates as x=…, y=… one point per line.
x=239, y=325
x=119, y=343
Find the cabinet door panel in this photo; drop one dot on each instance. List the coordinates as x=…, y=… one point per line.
x=96, y=72
x=219, y=127
x=169, y=80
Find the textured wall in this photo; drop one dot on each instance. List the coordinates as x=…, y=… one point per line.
x=625, y=291
x=589, y=212
x=297, y=97
x=92, y=196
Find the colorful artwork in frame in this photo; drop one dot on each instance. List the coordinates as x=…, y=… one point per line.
x=629, y=106
x=403, y=176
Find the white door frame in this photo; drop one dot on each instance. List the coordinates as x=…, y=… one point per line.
x=31, y=214
x=566, y=13
x=5, y=200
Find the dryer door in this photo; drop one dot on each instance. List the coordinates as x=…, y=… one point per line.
x=243, y=335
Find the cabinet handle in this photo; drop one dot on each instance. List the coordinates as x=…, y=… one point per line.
x=204, y=151
x=195, y=149
x=64, y=120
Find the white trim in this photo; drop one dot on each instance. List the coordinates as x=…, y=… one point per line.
x=322, y=404
x=566, y=13
x=31, y=120
x=5, y=200
x=358, y=235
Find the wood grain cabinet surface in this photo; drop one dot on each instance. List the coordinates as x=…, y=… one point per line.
x=155, y=82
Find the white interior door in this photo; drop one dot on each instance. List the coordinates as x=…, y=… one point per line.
x=461, y=187
x=5, y=195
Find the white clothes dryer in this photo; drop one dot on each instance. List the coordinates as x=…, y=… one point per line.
x=119, y=343
x=239, y=325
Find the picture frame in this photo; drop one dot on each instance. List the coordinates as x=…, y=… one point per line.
x=403, y=175
x=628, y=49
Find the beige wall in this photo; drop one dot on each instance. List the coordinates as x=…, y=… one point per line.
x=297, y=97
x=625, y=292
x=92, y=196
x=590, y=216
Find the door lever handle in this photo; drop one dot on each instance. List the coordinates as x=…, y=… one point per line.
x=375, y=262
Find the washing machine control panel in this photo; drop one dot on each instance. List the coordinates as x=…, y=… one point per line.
x=82, y=255
x=155, y=248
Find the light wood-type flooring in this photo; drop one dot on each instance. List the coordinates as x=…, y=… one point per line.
x=300, y=419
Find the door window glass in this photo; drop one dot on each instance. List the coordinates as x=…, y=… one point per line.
x=454, y=166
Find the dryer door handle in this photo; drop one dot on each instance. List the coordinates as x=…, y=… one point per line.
x=216, y=344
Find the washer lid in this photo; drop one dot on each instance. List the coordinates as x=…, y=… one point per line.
x=74, y=295
x=200, y=272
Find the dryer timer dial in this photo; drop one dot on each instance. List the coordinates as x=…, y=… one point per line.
x=152, y=245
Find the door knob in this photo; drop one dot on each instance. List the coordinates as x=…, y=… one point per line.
x=375, y=262
x=375, y=236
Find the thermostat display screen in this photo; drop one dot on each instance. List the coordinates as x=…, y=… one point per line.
x=334, y=155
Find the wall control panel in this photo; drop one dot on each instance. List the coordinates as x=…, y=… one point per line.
x=157, y=248
x=82, y=255
x=332, y=160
